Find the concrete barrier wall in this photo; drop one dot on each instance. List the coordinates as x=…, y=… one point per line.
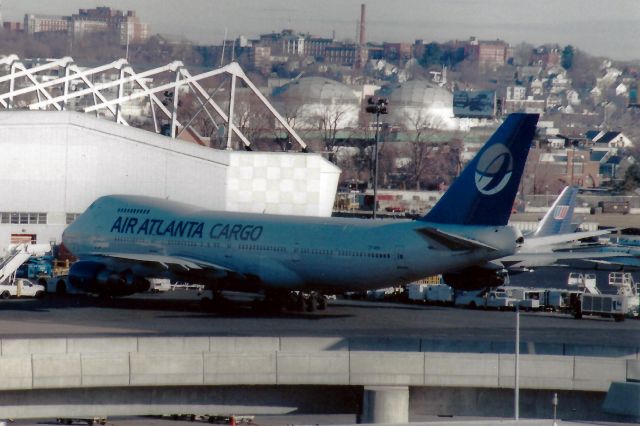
x=473, y=370
x=303, y=344
x=194, y=361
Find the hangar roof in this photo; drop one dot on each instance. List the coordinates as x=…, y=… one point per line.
x=317, y=89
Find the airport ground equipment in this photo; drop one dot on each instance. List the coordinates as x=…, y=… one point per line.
x=559, y=299
x=585, y=283
x=488, y=299
x=430, y=292
x=21, y=287
x=15, y=257
x=49, y=272
x=529, y=299
x=625, y=303
x=159, y=285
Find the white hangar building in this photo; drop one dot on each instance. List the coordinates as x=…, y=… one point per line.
x=421, y=104
x=53, y=165
x=318, y=102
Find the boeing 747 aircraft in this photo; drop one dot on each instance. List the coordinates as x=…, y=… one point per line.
x=121, y=239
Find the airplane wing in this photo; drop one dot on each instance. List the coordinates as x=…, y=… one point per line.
x=614, y=260
x=533, y=260
x=452, y=241
x=563, y=238
x=165, y=261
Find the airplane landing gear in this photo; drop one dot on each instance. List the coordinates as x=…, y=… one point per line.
x=217, y=302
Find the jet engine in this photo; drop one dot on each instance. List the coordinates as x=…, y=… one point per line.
x=95, y=277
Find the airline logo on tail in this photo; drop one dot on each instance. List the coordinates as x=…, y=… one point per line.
x=560, y=212
x=494, y=169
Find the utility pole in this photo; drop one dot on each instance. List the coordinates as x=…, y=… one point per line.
x=516, y=387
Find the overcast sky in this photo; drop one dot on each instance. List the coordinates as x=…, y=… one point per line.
x=600, y=27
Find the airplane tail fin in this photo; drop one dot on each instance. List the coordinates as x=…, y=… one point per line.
x=557, y=220
x=484, y=193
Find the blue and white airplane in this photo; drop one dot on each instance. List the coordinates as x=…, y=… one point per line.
x=547, y=245
x=121, y=239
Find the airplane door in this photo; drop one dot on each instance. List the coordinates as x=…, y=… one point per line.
x=99, y=240
x=400, y=260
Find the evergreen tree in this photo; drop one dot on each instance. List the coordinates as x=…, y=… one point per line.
x=567, y=57
x=632, y=178
x=432, y=55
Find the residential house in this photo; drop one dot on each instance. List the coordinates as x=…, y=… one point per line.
x=607, y=148
x=549, y=170
x=537, y=87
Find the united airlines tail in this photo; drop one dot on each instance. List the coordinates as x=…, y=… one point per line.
x=557, y=220
x=485, y=191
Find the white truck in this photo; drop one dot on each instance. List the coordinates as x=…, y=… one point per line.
x=529, y=299
x=430, y=290
x=21, y=287
x=439, y=294
x=159, y=285
x=490, y=299
x=429, y=293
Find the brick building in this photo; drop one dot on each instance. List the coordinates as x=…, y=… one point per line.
x=546, y=56
x=341, y=54
x=489, y=53
x=125, y=27
x=397, y=52
x=284, y=43
x=34, y=24
x=549, y=171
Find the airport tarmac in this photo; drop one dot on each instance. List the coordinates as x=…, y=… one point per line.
x=178, y=313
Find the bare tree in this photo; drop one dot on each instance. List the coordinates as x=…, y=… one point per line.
x=251, y=117
x=419, y=150
x=331, y=120
x=292, y=111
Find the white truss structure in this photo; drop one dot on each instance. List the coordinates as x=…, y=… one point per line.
x=50, y=86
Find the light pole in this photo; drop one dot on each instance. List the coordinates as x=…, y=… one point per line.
x=516, y=385
x=376, y=106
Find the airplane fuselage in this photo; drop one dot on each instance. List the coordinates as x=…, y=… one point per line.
x=274, y=251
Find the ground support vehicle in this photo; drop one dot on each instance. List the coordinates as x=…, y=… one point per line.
x=586, y=283
x=430, y=290
x=159, y=285
x=605, y=305
x=559, y=300
x=439, y=294
x=489, y=299
x=58, y=284
x=50, y=273
x=20, y=287
x=624, y=304
x=528, y=299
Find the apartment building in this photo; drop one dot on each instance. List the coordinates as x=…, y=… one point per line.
x=124, y=26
